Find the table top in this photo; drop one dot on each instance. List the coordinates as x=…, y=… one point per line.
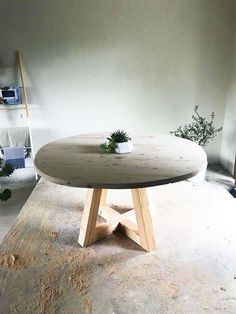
x=156, y=159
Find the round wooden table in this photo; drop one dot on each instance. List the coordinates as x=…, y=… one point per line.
x=156, y=159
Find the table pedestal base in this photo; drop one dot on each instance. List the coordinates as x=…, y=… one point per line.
x=96, y=205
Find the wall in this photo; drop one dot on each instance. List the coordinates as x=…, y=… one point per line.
x=228, y=150
x=141, y=65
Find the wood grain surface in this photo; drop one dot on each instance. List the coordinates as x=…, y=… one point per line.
x=156, y=159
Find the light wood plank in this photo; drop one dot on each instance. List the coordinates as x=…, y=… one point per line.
x=103, y=197
x=143, y=218
x=108, y=213
x=22, y=76
x=89, y=217
x=103, y=230
x=130, y=230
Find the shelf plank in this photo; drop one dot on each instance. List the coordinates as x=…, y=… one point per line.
x=12, y=107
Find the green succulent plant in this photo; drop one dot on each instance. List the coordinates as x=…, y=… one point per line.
x=200, y=131
x=119, y=136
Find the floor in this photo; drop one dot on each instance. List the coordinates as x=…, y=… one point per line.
x=21, y=182
x=218, y=175
x=193, y=269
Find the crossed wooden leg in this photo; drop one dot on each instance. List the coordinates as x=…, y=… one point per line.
x=95, y=205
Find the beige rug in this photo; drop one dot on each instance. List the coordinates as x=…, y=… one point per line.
x=193, y=269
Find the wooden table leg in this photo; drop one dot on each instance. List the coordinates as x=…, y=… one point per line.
x=95, y=204
x=89, y=217
x=143, y=218
x=90, y=231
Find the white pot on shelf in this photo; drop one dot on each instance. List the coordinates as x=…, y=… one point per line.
x=124, y=148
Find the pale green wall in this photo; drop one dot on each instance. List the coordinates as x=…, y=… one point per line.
x=102, y=64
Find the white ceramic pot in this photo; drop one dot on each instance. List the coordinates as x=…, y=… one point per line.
x=124, y=148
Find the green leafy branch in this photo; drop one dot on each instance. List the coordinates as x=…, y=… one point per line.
x=200, y=131
x=5, y=195
x=5, y=171
x=108, y=147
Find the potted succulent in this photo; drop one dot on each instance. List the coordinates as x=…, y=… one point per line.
x=118, y=142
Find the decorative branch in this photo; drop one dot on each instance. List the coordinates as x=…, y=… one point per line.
x=200, y=130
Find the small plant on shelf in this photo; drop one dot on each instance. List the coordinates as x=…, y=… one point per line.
x=5, y=171
x=118, y=142
x=200, y=131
